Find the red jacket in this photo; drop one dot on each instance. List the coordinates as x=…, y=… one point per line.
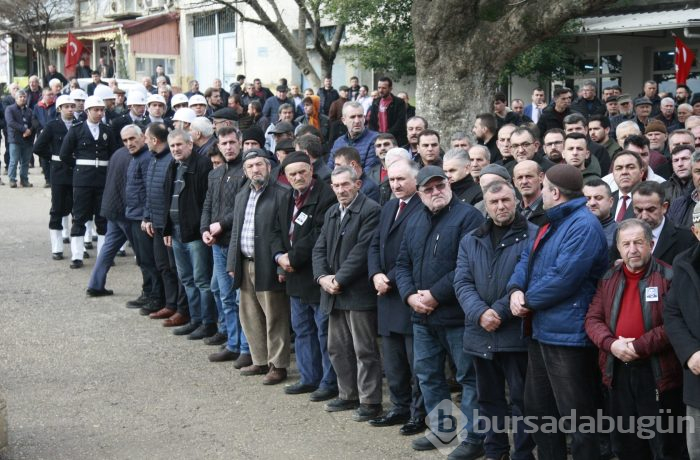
x=602, y=316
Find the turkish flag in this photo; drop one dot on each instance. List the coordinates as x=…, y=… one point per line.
x=74, y=49
x=684, y=61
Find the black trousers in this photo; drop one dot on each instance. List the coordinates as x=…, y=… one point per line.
x=404, y=391
x=634, y=395
x=87, y=202
x=561, y=380
x=491, y=378
x=143, y=249
x=173, y=290
x=61, y=205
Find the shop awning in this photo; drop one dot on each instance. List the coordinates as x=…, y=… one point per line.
x=641, y=22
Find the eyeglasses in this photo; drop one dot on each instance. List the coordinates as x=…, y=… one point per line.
x=552, y=144
x=524, y=145
x=439, y=187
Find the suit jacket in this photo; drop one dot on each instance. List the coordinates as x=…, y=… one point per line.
x=393, y=315
x=265, y=215
x=341, y=250
x=300, y=283
x=629, y=214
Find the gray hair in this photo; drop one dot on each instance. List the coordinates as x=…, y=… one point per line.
x=352, y=105
x=685, y=106
x=458, y=154
x=695, y=158
x=345, y=170
x=497, y=186
x=181, y=134
x=203, y=126
x=574, y=119
x=285, y=106
x=134, y=127
x=666, y=100
x=395, y=154
x=627, y=125
x=412, y=166
x=484, y=149
x=53, y=81
x=21, y=92
x=646, y=228
x=458, y=136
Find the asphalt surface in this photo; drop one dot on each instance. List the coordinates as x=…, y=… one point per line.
x=90, y=379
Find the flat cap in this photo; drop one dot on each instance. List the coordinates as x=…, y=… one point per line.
x=429, y=172
x=565, y=176
x=498, y=170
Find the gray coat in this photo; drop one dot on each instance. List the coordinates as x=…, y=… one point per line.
x=341, y=250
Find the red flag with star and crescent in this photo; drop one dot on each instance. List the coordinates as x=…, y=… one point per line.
x=74, y=49
x=684, y=61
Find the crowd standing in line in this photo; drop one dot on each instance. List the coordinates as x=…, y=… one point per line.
x=547, y=268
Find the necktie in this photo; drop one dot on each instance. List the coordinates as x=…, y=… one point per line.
x=402, y=205
x=623, y=209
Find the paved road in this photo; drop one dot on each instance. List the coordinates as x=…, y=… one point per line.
x=90, y=379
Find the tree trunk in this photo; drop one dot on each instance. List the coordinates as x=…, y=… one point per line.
x=326, y=68
x=462, y=46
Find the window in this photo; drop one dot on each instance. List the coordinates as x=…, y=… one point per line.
x=664, y=72
x=146, y=67
x=327, y=33
x=207, y=24
x=607, y=73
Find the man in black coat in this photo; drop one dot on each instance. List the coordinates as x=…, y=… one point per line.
x=216, y=224
x=264, y=309
x=456, y=164
x=553, y=116
x=297, y=227
x=492, y=334
x=393, y=316
x=185, y=190
x=388, y=112
x=425, y=271
x=48, y=146
x=87, y=149
x=340, y=268
x=649, y=204
x=682, y=324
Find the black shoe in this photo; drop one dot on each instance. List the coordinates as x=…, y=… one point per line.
x=138, y=303
x=86, y=255
x=88, y=245
x=338, y=405
x=151, y=307
x=323, y=394
x=186, y=329
x=99, y=292
x=216, y=339
x=244, y=360
x=66, y=240
x=121, y=253
x=57, y=256
x=13, y=184
x=412, y=427
x=366, y=412
x=299, y=388
x=423, y=443
x=203, y=331
x=391, y=418
x=94, y=237
x=76, y=264
x=467, y=451
x=223, y=355
x=26, y=185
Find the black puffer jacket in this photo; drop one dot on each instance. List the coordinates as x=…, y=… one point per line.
x=114, y=195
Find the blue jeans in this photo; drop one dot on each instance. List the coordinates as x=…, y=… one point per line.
x=118, y=232
x=194, y=267
x=20, y=153
x=431, y=344
x=310, y=326
x=236, y=342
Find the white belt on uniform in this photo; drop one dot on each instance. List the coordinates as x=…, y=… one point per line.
x=94, y=163
x=55, y=158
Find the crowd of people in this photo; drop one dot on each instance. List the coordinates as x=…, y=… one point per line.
x=547, y=268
